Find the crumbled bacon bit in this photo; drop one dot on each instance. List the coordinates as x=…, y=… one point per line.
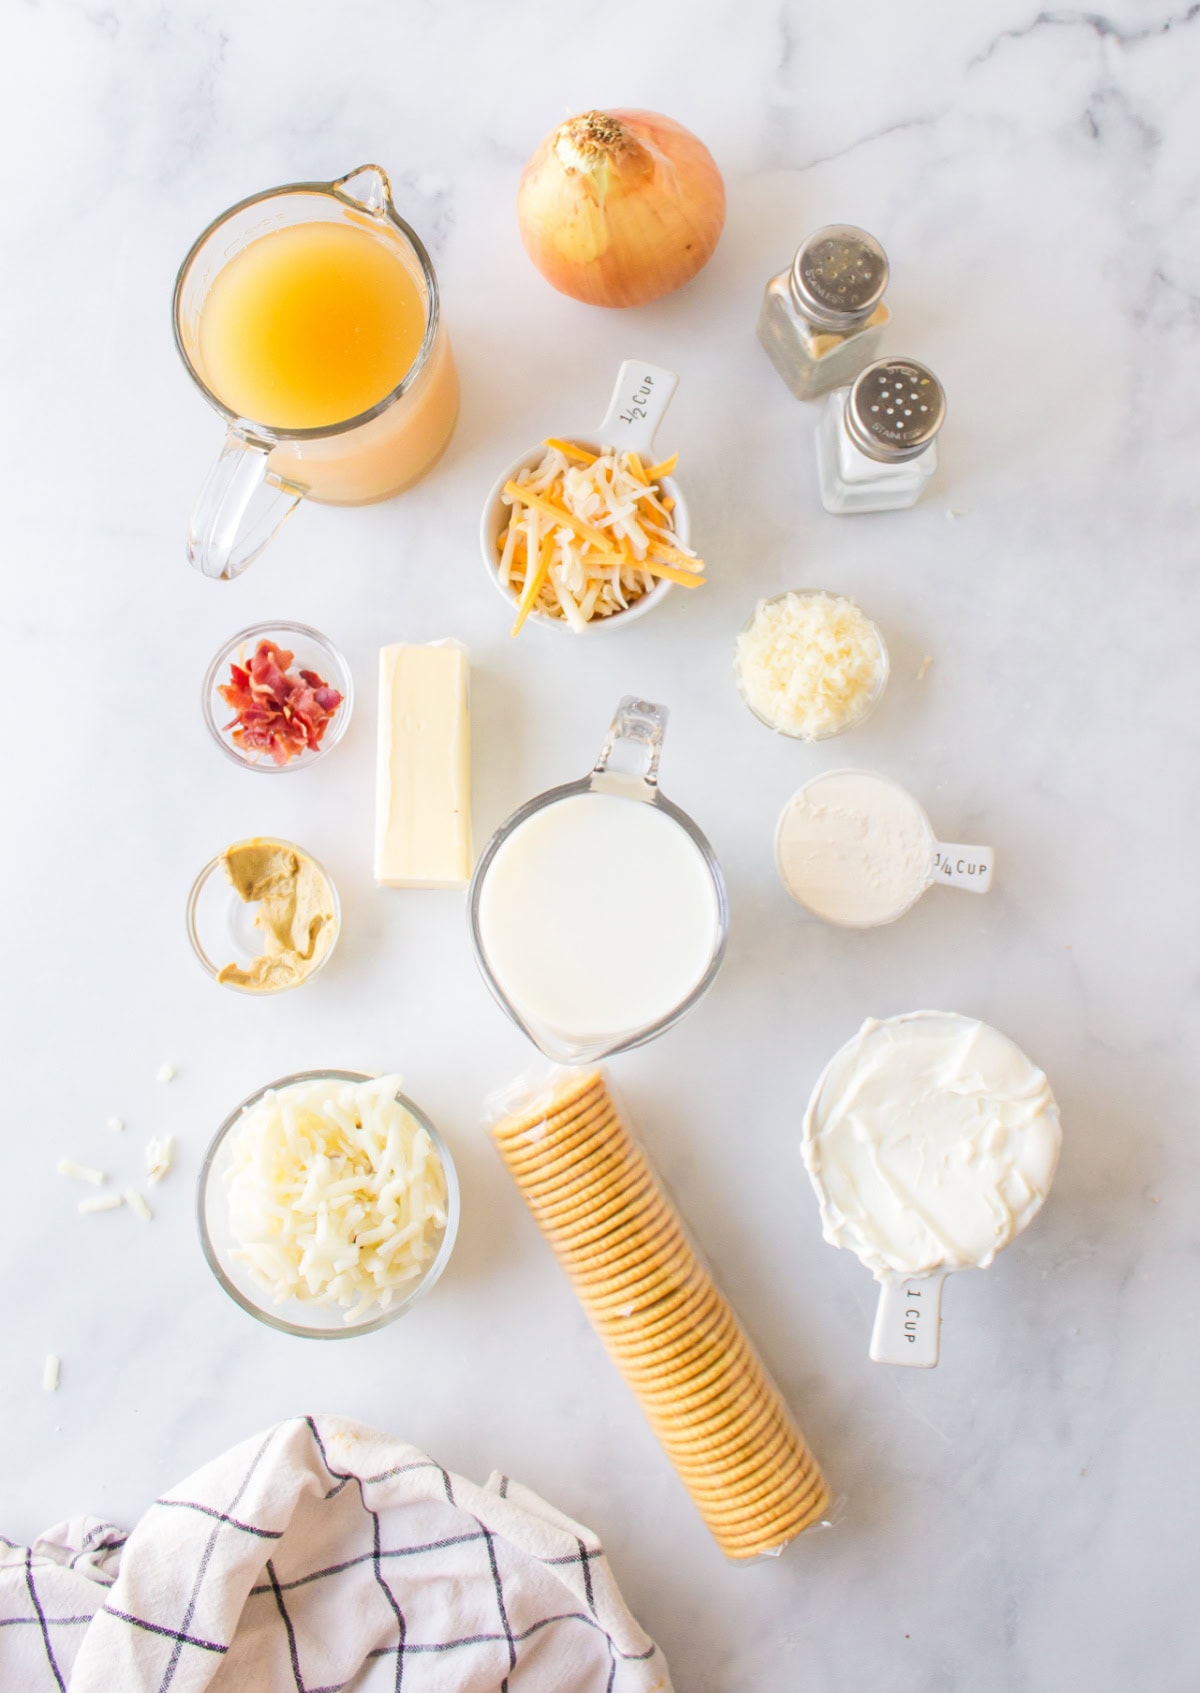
x=277, y=710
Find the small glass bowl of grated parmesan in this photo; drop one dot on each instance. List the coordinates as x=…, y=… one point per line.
x=810, y=664
x=328, y=1203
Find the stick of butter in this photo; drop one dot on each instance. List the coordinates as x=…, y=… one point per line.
x=423, y=776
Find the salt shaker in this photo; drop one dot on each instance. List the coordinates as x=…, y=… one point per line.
x=822, y=319
x=876, y=446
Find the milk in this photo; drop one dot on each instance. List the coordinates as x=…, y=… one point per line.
x=598, y=917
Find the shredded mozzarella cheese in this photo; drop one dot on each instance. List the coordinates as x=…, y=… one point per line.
x=809, y=664
x=160, y=1155
x=336, y=1195
x=51, y=1370
x=81, y=1172
x=138, y=1205
x=102, y=1202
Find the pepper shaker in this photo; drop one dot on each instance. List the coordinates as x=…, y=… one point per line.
x=876, y=441
x=821, y=320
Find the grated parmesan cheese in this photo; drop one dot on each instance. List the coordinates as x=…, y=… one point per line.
x=116, y=1124
x=165, y=1073
x=81, y=1172
x=337, y=1196
x=810, y=664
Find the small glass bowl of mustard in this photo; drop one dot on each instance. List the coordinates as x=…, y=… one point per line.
x=238, y=923
x=860, y=710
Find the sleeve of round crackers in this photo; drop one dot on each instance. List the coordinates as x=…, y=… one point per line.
x=718, y=1415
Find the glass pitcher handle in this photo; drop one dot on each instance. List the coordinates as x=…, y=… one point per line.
x=240, y=508
x=628, y=761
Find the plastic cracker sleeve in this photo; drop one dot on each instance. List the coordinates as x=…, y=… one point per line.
x=649, y=1295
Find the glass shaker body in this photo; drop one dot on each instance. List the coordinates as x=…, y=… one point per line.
x=822, y=319
x=876, y=446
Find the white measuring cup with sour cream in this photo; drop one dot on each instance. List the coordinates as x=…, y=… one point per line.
x=931, y=1141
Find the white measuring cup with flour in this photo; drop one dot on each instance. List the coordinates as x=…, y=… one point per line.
x=931, y=1141
x=856, y=849
x=640, y=397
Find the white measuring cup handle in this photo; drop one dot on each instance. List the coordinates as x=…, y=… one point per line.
x=639, y=399
x=907, y=1320
x=958, y=866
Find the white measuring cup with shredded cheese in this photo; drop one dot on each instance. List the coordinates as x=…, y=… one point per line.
x=931, y=1141
x=640, y=397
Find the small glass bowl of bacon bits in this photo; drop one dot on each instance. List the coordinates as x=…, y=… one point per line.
x=277, y=697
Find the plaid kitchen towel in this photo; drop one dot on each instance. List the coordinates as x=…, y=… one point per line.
x=316, y=1557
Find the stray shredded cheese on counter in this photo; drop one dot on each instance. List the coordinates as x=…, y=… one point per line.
x=337, y=1196
x=589, y=534
x=51, y=1370
x=138, y=1205
x=81, y=1172
x=809, y=664
x=102, y=1202
x=160, y=1155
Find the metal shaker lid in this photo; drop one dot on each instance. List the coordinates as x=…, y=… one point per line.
x=839, y=276
x=894, y=410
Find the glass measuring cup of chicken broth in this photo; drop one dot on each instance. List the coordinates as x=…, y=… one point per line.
x=598, y=911
x=309, y=318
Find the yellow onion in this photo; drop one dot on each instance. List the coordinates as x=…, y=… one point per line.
x=617, y=208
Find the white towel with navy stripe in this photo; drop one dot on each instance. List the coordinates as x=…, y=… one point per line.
x=317, y=1557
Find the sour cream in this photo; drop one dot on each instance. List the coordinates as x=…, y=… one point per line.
x=931, y=1141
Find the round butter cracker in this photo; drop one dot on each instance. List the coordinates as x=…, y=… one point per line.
x=575, y=1135
x=562, y=1102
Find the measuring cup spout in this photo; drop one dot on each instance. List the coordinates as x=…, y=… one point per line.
x=366, y=186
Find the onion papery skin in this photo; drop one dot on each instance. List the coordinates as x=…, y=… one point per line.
x=619, y=208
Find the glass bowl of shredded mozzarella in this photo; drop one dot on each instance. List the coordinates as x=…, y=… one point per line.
x=328, y=1203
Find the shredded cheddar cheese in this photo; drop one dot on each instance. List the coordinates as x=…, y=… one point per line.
x=589, y=534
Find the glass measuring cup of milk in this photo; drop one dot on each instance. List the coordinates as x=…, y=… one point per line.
x=598, y=911
x=334, y=285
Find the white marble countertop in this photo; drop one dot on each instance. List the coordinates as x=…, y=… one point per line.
x=1022, y=1518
